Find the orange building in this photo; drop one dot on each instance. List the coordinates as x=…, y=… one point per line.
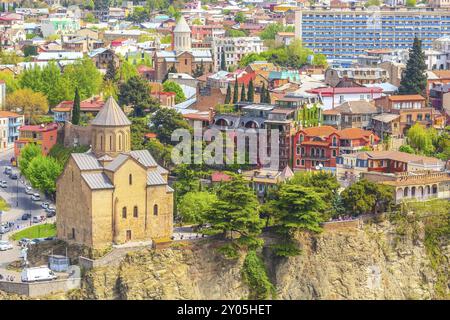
x=43, y=135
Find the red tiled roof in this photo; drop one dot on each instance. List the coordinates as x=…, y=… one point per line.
x=407, y=97
x=322, y=131
x=39, y=128
x=8, y=114
x=315, y=143
x=150, y=135
x=218, y=176
x=196, y=116
x=330, y=91
x=356, y=133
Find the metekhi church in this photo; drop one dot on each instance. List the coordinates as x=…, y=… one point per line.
x=110, y=194
x=182, y=57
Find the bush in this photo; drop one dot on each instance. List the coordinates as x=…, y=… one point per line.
x=255, y=275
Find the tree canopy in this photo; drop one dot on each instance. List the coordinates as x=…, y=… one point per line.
x=27, y=102
x=414, y=78
x=136, y=93
x=172, y=86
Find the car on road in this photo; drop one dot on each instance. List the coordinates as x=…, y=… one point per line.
x=3, y=184
x=26, y=216
x=51, y=213
x=37, y=219
x=5, y=245
x=13, y=176
x=7, y=170
x=45, y=205
x=36, y=197
x=29, y=190
x=24, y=241
x=4, y=229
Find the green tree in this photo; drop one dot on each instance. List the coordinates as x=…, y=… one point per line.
x=28, y=153
x=372, y=3
x=84, y=75
x=365, y=197
x=267, y=98
x=12, y=83
x=27, y=102
x=420, y=139
x=76, y=108
x=410, y=3
x=228, y=94
x=193, y=205
x=235, y=33
x=240, y=17
x=271, y=30
x=136, y=92
x=251, y=92
x=250, y=58
x=414, y=78
x=236, y=91
x=127, y=70
x=111, y=72
x=223, y=65
x=172, y=86
x=406, y=148
x=165, y=121
x=262, y=95
x=235, y=212
x=243, y=98
x=43, y=172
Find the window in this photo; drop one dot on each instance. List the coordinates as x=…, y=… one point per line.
x=185, y=61
x=124, y=212
x=155, y=210
x=298, y=162
x=110, y=143
x=298, y=150
x=135, y=211
x=334, y=152
x=419, y=117
x=73, y=233
x=334, y=141
x=130, y=179
x=303, y=162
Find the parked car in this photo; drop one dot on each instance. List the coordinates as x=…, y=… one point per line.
x=45, y=205
x=7, y=170
x=51, y=213
x=50, y=238
x=24, y=241
x=26, y=216
x=37, y=274
x=4, y=229
x=36, y=197
x=13, y=176
x=3, y=184
x=37, y=219
x=29, y=190
x=5, y=245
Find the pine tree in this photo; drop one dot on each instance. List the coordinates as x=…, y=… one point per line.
x=414, y=79
x=76, y=108
x=222, y=62
x=111, y=71
x=243, y=98
x=251, y=92
x=236, y=91
x=228, y=95
x=267, y=99
x=262, y=95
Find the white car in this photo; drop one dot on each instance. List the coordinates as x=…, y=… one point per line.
x=29, y=190
x=45, y=205
x=37, y=274
x=36, y=197
x=5, y=245
x=3, y=184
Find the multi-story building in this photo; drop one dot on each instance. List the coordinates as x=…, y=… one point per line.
x=332, y=97
x=9, y=124
x=59, y=25
x=42, y=135
x=359, y=75
x=347, y=33
x=318, y=147
x=234, y=48
x=63, y=111
x=351, y=114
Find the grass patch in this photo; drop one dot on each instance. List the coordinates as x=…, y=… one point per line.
x=4, y=206
x=38, y=231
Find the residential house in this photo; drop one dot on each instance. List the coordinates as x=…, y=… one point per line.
x=332, y=97
x=262, y=180
x=9, y=124
x=63, y=111
x=43, y=135
x=359, y=75
x=351, y=114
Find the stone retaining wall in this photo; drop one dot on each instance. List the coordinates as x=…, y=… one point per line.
x=36, y=289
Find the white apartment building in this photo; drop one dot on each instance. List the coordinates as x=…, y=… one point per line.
x=234, y=49
x=9, y=128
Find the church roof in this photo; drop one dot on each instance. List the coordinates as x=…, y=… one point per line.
x=144, y=157
x=86, y=161
x=97, y=180
x=182, y=26
x=117, y=162
x=154, y=178
x=111, y=115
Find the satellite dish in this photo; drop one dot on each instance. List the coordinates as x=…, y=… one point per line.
x=320, y=165
x=317, y=168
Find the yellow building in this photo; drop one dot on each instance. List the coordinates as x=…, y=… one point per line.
x=110, y=194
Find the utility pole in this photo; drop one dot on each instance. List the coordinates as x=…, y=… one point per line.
x=1, y=234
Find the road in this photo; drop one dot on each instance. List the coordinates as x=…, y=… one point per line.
x=20, y=203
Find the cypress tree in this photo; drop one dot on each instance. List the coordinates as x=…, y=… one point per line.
x=111, y=71
x=243, y=99
x=76, y=108
x=236, y=91
x=262, y=95
x=268, y=100
x=228, y=95
x=222, y=61
x=414, y=79
x=251, y=92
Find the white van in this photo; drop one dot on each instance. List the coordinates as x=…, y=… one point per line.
x=37, y=274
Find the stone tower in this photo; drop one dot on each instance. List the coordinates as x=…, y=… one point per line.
x=111, y=131
x=182, y=36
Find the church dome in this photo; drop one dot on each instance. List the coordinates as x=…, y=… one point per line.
x=182, y=26
x=111, y=115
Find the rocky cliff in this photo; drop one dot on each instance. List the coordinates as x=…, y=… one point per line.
x=370, y=261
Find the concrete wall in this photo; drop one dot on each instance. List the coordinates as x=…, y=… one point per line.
x=76, y=134
x=36, y=289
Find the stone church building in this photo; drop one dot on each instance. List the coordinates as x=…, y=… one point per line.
x=182, y=57
x=110, y=194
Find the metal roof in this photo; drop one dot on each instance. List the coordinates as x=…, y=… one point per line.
x=111, y=115
x=154, y=178
x=258, y=107
x=161, y=170
x=144, y=157
x=169, y=189
x=117, y=162
x=182, y=26
x=97, y=180
x=86, y=161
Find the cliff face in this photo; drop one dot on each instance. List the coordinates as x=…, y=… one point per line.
x=371, y=262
